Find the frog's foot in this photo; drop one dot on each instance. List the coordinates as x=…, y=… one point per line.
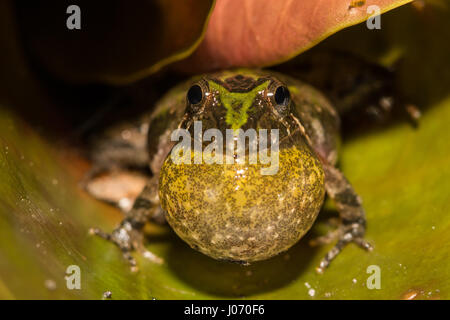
x=128, y=239
x=347, y=232
x=353, y=222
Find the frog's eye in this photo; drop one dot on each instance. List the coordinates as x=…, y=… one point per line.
x=282, y=96
x=195, y=94
x=282, y=99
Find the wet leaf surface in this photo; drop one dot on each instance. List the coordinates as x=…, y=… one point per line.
x=402, y=175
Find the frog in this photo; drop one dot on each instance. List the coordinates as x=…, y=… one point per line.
x=233, y=211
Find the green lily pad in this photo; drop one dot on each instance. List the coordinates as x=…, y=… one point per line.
x=401, y=173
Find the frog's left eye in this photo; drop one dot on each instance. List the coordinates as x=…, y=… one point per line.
x=195, y=94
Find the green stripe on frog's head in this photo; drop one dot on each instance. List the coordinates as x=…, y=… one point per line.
x=237, y=100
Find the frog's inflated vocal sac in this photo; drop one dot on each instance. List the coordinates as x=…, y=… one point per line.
x=234, y=212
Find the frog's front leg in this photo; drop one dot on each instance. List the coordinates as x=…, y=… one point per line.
x=128, y=236
x=353, y=221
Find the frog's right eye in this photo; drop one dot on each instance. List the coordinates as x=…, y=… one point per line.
x=282, y=96
x=195, y=94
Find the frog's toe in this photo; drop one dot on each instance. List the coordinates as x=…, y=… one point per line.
x=363, y=244
x=131, y=261
x=128, y=240
x=152, y=257
x=122, y=238
x=345, y=234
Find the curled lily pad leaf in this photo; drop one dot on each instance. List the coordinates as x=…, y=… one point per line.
x=258, y=33
x=117, y=42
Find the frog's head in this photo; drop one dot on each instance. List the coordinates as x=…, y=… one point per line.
x=232, y=211
x=239, y=100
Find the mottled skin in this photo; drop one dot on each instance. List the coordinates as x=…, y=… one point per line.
x=231, y=211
